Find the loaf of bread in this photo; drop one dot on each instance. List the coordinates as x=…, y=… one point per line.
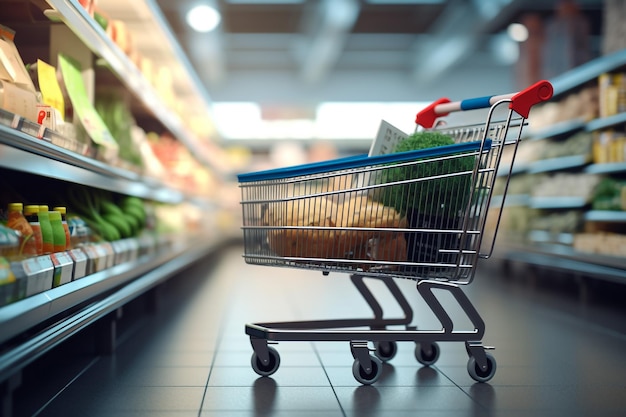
x=316, y=227
x=292, y=238
x=356, y=218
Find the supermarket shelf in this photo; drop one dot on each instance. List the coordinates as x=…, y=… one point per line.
x=554, y=251
x=518, y=168
x=542, y=236
x=606, y=216
x=512, y=200
x=606, y=122
x=557, y=202
x=606, y=168
x=127, y=281
x=565, y=258
x=588, y=72
x=22, y=152
x=559, y=164
x=558, y=129
x=94, y=38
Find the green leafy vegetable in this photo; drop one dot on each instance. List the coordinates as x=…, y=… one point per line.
x=433, y=196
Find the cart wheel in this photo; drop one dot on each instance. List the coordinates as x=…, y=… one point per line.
x=478, y=374
x=385, y=351
x=427, y=353
x=367, y=378
x=270, y=368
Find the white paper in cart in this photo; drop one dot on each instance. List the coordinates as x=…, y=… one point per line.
x=386, y=140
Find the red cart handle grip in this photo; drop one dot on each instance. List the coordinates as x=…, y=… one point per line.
x=523, y=101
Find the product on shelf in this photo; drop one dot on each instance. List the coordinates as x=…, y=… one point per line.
x=7, y=282
x=612, y=94
x=609, y=194
x=116, y=115
x=17, y=221
x=66, y=230
x=17, y=92
x=46, y=229
x=9, y=242
x=612, y=244
x=110, y=219
x=570, y=221
x=609, y=146
x=579, y=144
x=566, y=185
x=87, y=116
x=80, y=233
x=58, y=231
x=32, y=215
x=579, y=105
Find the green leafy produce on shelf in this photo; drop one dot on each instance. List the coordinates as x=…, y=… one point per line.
x=110, y=220
x=115, y=112
x=432, y=197
x=609, y=194
x=134, y=207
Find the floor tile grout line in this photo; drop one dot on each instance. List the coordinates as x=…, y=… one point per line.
x=220, y=339
x=319, y=358
x=66, y=386
x=462, y=389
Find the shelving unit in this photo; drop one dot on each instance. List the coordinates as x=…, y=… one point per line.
x=551, y=250
x=35, y=324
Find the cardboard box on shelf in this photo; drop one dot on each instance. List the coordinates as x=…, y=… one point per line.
x=63, y=268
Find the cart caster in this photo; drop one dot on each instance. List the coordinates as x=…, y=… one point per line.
x=270, y=367
x=364, y=377
x=427, y=353
x=385, y=351
x=481, y=375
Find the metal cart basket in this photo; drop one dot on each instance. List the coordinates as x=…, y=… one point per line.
x=418, y=215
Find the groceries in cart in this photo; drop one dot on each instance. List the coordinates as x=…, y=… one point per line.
x=354, y=227
x=398, y=208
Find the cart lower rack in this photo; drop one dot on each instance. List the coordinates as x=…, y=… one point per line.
x=418, y=215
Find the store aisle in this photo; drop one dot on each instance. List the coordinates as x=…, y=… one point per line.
x=193, y=359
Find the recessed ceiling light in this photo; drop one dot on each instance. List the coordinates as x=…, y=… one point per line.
x=396, y=2
x=517, y=32
x=264, y=2
x=203, y=18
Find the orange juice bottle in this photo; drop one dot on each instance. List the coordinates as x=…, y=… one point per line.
x=32, y=215
x=17, y=221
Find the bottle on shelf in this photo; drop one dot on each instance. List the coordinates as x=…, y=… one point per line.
x=17, y=221
x=46, y=229
x=66, y=229
x=9, y=242
x=31, y=212
x=58, y=232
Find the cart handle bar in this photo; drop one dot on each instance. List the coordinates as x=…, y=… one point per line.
x=521, y=102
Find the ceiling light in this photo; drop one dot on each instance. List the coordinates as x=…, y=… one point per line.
x=203, y=18
x=390, y=2
x=265, y=1
x=394, y=2
x=517, y=32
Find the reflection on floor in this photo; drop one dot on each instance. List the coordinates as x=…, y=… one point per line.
x=555, y=356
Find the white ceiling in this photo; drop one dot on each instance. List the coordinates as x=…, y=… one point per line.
x=288, y=57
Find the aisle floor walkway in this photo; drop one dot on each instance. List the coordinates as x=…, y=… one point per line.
x=554, y=356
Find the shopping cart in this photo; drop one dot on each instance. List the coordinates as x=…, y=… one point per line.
x=419, y=215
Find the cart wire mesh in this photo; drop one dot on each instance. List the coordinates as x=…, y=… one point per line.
x=418, y=214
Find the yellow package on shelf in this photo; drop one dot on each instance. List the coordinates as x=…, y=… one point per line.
x=50, y=89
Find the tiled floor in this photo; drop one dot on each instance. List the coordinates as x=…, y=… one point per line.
x=555, y=356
